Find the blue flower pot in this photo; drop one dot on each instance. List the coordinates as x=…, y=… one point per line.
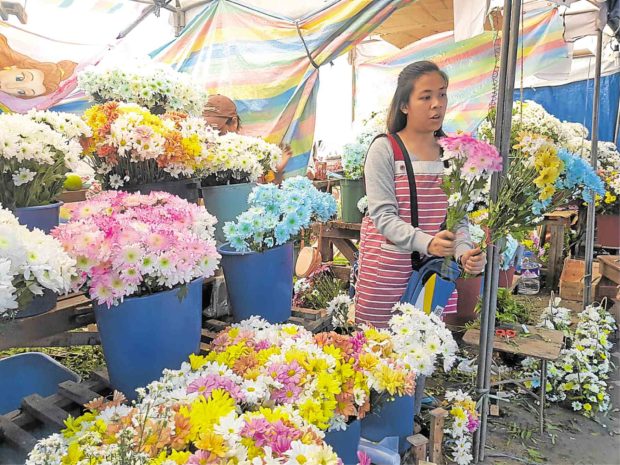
x=39, y=304
x=30, y=373
x=43, y=217
x=143, y=335
x=345, y=443
x=226, y=203
x=259, y=283
x=187, y=189
x=390, y=419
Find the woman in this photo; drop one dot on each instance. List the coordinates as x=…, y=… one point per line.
x=387, y=237
x=24, y=77
x=220, y=113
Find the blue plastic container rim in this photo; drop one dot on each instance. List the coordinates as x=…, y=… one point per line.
x=42, y=207
x=226, y=249
x=202, y=278
x=78, y=378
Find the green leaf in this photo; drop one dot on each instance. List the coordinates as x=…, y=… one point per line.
x=183, y=290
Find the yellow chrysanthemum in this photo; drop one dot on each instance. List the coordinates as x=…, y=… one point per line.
x=547, y=192
x=197, y=361
x=212, y=442
x=204, y=413
x=74, y=454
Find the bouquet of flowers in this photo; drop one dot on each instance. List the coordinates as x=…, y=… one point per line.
x=235, y=159
x=540, y=178
x=353, y=158
x=278, y=214
x=371, y=127
x=579, y=375
x=362, y=205
x=30, y=262
x=318, y=289
x=206, y=426
x=314, y=375
x=471, y=164
x=461, y=424
x=609, y=203
x=420, y=339
x=154, y=86
x=132, y=245
x=131, y=146
x=338, y=308
x=35, y=156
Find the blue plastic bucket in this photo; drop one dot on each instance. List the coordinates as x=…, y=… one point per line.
x=259, y=283
x=226, y=203
x=39, y=304
x=345, y=443
x=43, y=217
x=30, y=373
x=186, y=189
x=390, y=418
x=143, y=335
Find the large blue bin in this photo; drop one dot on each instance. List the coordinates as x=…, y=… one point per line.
x=226, y=203
x=43, y=217
x=391, y=418
x=30, y=373
x=345, y=443
x=143, y=335
x=259, y=283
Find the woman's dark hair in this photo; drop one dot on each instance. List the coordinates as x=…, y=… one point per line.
x=397, y=120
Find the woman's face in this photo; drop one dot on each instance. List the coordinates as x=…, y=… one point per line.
x=21, y=82
x=427, y=103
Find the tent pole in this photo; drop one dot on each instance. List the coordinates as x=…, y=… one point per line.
x=510, y=42
x=617, y=132
x=353, y=56
x=590, y=219
x=142, y=17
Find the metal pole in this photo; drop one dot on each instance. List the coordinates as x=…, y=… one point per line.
x=590, y=219
x=510, y=39
x=617, y=132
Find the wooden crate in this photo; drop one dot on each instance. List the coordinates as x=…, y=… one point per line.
x=41, y=416
x=610, y=267
x=314, y=321
x=571, y=281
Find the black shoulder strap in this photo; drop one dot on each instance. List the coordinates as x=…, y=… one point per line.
x=378, y=136
x=416, y=260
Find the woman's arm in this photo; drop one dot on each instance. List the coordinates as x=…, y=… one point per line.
x=382, y=204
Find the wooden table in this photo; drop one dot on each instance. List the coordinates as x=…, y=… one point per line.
x=544, y=344
x=556, y=222
x=341, y=235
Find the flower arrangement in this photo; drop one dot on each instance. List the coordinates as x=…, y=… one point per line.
x=276, y=215
x=540, y=178
x=579, y=375
x=471, y=164
x=362, y=205
x=461, y=423
x=609, y=203
x=371, y=127
x=353, y=158
x=132, y=245
x=208, y=426
x=338, y=309
x=235, y=159
x=131, y=146
x=286, y=365
x=34, y=157
x=30, y=262
x=318, y=289
x=421, y=339
x=154, y=86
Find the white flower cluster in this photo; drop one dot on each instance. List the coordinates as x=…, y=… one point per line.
x=148, y=84
x=420, y=339
x=555, y=317
x=579, y=375
x=371, y=127
x=362, y=205
x=70, y=125
x=461, y=423
x=30, y=262
x=338, y=308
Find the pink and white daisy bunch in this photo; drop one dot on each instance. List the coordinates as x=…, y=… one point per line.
x=132, y=245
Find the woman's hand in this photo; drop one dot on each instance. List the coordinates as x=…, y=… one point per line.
x=473, y=261
x=443, y=244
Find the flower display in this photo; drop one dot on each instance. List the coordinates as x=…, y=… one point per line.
x=338, y=309
x=461, y=423
x=609, y=203
x=317, y=289
x=131, y=146
x=354, y=153
x=235, y=158
x=30, y=262
x=132, y=245
x=421, y=339
x=470, y=165
x=579, y=376
x=35, y=156
x=276, y=215
x=353, y=158
x=154, y=86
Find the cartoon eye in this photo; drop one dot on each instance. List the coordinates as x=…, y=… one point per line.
x=21, y=92
x=20, y=78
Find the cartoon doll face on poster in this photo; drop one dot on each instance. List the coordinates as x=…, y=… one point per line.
x=25, y=78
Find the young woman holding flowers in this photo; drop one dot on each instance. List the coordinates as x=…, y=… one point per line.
x=388, y=238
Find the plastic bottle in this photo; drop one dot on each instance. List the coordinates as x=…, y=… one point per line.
x=529, y=283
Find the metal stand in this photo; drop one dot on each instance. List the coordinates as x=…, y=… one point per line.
x=543, y=394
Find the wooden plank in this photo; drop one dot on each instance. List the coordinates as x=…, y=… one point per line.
x=44, y=410
x=102, y=376
x=341, y=272
x=70, y=313
x=438, y=417
x=208, y=335
x=16, y=436
x=217, y=325
x=77, y=392
x=419, y=446
x=204, y=348
x=610, y=267
x=347, y=249
x=541, y=343
x=66, y=339
x=308, y=313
